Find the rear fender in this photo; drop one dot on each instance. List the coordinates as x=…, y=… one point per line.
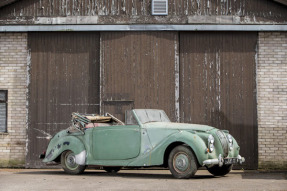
x=74, y=144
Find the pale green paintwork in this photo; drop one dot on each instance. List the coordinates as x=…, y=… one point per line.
x=137, y=145
x=63, y=141
x=116, y=138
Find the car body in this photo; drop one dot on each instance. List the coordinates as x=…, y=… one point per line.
x=147, y=139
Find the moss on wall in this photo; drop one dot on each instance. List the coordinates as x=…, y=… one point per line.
x=272, y=165
x=12, y=163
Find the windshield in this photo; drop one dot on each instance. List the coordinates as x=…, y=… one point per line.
x=151, y=115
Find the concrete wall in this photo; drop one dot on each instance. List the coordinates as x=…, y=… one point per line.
x=272, y=100
x=13, y=77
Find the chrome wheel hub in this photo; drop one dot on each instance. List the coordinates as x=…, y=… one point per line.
x=71, y=160
x=181, y=162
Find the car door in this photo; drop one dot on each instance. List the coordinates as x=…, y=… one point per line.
x=116, y=142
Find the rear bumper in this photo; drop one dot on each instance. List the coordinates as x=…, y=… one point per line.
x=224, y=161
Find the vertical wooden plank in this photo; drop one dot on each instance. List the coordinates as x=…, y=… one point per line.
x=138, y=71
x=218, y=87
x=254, y=10
x=64, y=78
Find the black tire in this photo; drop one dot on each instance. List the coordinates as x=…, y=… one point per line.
x=112, y=169
x=220, y=171
x=182, y=162
x=68, y=162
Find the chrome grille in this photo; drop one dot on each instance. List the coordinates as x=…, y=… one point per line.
x=224, y=142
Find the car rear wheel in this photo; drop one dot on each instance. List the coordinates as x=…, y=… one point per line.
x=68, y=162
x=112, y=169
x=182, y=162
x=220, y=171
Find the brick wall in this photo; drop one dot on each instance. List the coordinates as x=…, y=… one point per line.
x=272, y=100
x=13, y=69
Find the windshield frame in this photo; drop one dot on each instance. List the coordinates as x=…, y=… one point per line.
x=138, y=118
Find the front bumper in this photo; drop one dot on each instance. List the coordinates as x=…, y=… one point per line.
x=224, y=161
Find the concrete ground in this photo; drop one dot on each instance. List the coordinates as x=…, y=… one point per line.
x=56, y=179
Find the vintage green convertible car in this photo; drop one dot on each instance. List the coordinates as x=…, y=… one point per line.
x=147, y=139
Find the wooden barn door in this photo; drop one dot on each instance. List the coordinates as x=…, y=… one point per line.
x=138, y=71
x=218, y=85
x=64, y=78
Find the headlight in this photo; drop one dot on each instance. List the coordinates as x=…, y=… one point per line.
x=210, y=139
x=211, y=147
x=230, y=140
x=210, y=143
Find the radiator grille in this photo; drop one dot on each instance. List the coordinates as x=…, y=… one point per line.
x=159, y=7
x=224, y=142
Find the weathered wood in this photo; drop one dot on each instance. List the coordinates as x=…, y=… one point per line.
x=64, y=78
x=218, y=86
x=138, y=71
x=139, y=12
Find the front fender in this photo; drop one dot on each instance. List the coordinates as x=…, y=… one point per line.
x=61, y=144
x=193, y=140
x=156, y=156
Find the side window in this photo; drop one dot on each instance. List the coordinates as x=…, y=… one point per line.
x=3, y=110
x=130, y=120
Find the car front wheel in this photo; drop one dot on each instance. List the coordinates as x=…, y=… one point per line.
x=68, y=162
x=220, y=171
x=182, y=162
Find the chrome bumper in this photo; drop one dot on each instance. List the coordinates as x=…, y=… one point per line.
x=221, y=161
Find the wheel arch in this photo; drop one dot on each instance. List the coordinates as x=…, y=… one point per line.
x=168, y=150
x=56, y=148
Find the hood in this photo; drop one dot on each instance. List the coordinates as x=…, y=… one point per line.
x=178, y=126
